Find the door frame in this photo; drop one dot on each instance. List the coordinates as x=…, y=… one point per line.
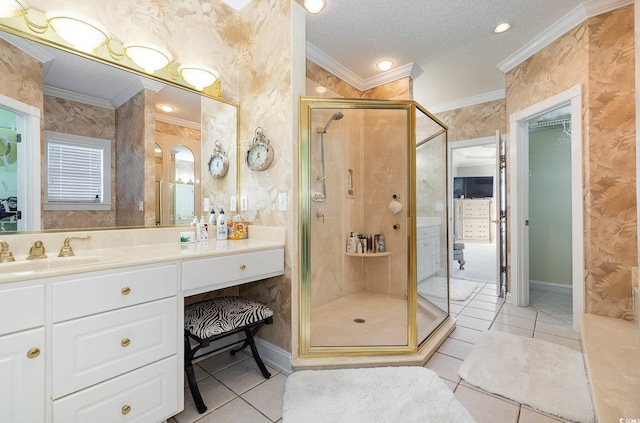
x=454, y=145
x=29, y=173
x=517, y=167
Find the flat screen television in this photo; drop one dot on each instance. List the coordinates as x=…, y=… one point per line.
x=473, y=187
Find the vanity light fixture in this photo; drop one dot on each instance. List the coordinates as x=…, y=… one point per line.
x=384, y=65
x=167, y=108
x=314, y=6
x=198, y=76
x=11, y=8
x=502, y=27
x=148, y=57
x=81, y=32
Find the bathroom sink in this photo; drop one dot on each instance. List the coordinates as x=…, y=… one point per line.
x=49, y=263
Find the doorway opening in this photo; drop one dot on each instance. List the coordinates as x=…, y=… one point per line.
x=474, y=206
x=531, y=222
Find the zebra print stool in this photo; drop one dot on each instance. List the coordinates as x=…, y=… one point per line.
x=210, y=320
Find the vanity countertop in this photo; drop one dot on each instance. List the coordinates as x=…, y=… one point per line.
x=129, y=250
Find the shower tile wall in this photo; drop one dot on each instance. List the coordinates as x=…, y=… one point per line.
x=373, y=144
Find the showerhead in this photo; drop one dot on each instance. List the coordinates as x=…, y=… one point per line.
x=336, y=116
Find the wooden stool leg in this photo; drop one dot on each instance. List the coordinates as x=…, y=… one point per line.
x=191, y=378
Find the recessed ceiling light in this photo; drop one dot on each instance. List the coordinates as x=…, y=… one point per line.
x=314, y=6
x=321, y=90
x=167, y=108
x=502, y=27
x=384, y=65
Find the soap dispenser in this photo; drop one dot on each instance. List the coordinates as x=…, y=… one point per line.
x=221, y=227
x=212, y=217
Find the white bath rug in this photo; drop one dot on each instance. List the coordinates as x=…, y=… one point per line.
x=459, y=290
x=543, y=375
x=370, y=395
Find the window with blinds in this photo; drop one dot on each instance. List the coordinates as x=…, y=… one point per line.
x=78, y=172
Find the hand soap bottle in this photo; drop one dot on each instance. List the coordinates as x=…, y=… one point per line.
x=201, y=231
x=221, y=227
x=212, y=217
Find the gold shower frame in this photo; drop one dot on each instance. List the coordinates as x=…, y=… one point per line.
x=306, y=106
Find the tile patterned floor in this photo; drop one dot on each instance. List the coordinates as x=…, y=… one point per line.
x=234, y=390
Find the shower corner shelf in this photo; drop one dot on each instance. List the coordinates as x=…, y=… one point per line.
x=367, y=255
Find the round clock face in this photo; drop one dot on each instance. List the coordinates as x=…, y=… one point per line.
x=259, y=157
x=218, y=165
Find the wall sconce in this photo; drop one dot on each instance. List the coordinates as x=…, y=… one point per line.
x=149, y=58
x=198, y=76
x=9, y=9
x=86, y=35
x=82, y=33
x=314, y=6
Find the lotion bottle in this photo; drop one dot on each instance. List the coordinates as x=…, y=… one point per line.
x=212, y=217
x=221, y=227
x=201, y=230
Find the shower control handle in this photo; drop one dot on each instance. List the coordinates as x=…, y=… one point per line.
x=318, y=196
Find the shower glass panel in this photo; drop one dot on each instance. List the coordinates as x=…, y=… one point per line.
x=431, y=229
x=361, y=194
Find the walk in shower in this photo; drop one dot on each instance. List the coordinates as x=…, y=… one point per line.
x=374, y=265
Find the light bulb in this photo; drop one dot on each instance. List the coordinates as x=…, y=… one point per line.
x=82, y=33
x=198, y=76
x=314, y=6
x=148, y=57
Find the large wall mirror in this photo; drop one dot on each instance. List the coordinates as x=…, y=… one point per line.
x=157, y=134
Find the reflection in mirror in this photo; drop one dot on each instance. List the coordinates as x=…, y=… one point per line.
x=76, y=95
x=182, y=178
x=431, y=229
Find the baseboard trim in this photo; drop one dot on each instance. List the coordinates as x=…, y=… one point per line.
x=274, y=356
x=559, y=288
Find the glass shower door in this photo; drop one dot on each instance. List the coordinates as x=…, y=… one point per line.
x=8, y=171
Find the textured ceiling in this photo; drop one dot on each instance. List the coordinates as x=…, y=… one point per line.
x=451, y=40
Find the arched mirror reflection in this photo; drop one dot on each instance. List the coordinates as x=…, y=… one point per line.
x=183, y=209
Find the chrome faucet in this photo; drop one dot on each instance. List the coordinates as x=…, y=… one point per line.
x=5, y=253
x=66, y=250
x=37, y=251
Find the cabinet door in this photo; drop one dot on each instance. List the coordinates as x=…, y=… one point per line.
x=22, y=395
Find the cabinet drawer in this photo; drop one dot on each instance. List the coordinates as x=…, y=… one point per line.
x=91, y=295
x=220, y=272
x=476, y=224
x=150, y=393
x=89, y=350
x=21, y=308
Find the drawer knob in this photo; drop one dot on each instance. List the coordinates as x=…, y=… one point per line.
x=126, y=409
x=125, y=342
x=33, y=352
x=243, y=267
x=125, y=291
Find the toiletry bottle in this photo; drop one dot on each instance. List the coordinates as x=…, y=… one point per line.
x=203, y=235
x=381, y=245
x=221, y=228
x=212, y=217
x=351, y=243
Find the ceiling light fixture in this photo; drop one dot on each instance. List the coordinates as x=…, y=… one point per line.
x=148, y=57
x=198, y=76
x=11, y=8
x=314, y=6
x=83, y=33
x=167, y=108
x=321, y=90
x=384, y=65
x=502, y=27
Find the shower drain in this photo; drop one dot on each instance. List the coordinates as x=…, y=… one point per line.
x=359, y=320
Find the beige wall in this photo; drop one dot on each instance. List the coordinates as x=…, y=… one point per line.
x=477, y=121
x=599, y=54
x=71, y=117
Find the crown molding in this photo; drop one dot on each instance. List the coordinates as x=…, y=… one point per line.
x=320, y=58
x=32, y=49
x=80, y=98
x=581, y=13
x=469, y=101
x=177, y=121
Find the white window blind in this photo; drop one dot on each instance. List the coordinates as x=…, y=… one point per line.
x=78, y=172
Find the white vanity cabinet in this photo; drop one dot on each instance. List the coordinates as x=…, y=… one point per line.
x=427, y=251
x=114, y=346
x=22, y=353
